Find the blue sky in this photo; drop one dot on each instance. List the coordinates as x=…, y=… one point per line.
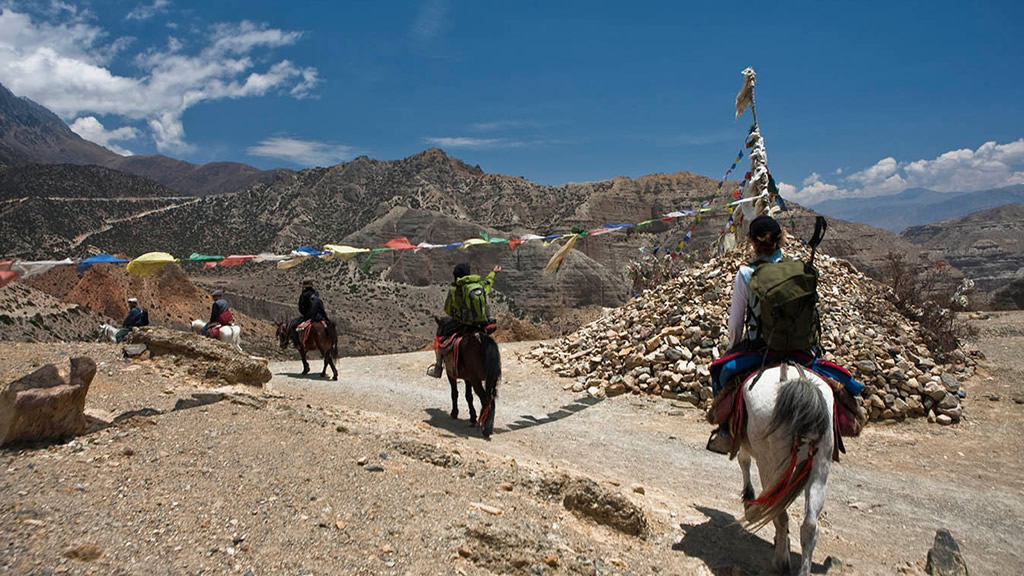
x=854, y=98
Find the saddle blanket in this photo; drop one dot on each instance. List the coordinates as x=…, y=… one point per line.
x=303, y=330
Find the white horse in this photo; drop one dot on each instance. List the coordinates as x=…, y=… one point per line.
x=107, y=333
x=789, y=434
x=228, y=334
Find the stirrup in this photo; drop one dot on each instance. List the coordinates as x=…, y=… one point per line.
x=720, y=442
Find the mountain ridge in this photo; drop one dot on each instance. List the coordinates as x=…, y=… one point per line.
x=918, y=206
x=32, y=134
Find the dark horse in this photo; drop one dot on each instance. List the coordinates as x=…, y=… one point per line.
x=476, y=360
x=320, y=338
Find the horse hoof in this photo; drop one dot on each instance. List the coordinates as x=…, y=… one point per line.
x=335, y=378
x=454, y=415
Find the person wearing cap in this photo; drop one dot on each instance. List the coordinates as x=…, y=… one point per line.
x=311, y=307
x=220, y=312
x=766, y=238
x=137, y=316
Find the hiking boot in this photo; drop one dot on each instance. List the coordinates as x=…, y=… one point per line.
x=434, y=371
x=720, y=441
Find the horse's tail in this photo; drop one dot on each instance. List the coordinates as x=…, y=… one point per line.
x=492, y=365
x=801, y=410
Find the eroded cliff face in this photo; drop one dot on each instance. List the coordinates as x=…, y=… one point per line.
x=988, y=246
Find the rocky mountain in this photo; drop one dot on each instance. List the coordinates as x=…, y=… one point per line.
x=70, y=181
x=917, y=206
x=433, y=197
x=31, y=134
x=194, y=179
x=988, y=246
x=1011, y=296
x=53, y=209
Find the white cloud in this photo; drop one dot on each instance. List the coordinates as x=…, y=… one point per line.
x=992, y=165
x=63, y=65
x=147, y=11
x=91, y=129
x=302, y=152
x=472, y=143
x=495, y=125
x=812, y=191
x=786, y=190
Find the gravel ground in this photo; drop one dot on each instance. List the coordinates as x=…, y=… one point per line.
x=369, y=475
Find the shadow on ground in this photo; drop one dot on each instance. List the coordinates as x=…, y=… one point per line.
x=528, y=421
x=725, y=546
x=443, y=421
x=310, y=376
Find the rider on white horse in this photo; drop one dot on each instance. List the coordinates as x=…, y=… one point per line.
x=220, y=313
x=137, y=317
x=766, y=237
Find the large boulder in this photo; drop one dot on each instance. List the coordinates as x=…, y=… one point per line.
x=205, y=357
x=47, y=404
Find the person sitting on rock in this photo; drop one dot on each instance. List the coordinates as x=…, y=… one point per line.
x=220, y=313
x=137, y=316
x=463, y=310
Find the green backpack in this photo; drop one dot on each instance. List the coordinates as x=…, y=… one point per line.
x=474, y=300
x=788, y=293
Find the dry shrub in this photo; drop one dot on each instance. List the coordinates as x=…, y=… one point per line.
x=930, y=297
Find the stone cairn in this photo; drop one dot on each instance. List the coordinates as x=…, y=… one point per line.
x=664, y=341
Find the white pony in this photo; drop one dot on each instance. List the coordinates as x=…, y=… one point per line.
x=789, y=434
x=228, y=334
x=107, y=333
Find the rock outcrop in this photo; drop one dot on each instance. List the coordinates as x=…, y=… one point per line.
x=664, y=341
x=47, y=404
x=944, y=558
x=203, y=357
x=987, y=246
x=29, y=315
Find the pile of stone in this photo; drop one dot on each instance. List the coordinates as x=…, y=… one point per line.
x=664, y=341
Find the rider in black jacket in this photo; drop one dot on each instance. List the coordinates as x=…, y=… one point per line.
x=311, y=307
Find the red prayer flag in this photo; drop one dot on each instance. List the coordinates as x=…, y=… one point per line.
x=399, y=244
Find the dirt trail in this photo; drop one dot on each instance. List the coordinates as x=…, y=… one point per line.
x=897, y=485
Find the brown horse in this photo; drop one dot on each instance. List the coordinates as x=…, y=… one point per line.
x=320, y=338
x=476, y=360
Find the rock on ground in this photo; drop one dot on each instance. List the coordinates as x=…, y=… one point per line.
x=46, y=404
x=206, y=358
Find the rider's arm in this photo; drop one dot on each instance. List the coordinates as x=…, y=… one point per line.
x=738, y=310
x=488, y=282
